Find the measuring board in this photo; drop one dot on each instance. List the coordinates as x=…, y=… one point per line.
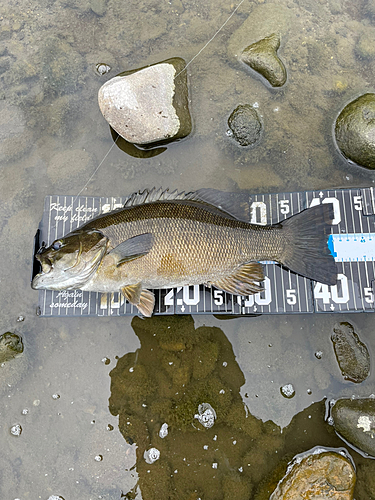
x=352, y=243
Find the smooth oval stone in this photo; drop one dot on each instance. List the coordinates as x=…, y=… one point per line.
x=352, y=355
x=245, y=125
x=355, y=131
x=354, y=420
x=10, y=345
x=317, y=474
x=148, y=105
x=262, y=57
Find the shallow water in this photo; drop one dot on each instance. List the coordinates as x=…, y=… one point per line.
x=53, y=137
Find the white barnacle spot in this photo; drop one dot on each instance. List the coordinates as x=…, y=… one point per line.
x=163, y=431
x=151, y=455
x=206, y=415
x=364, y=422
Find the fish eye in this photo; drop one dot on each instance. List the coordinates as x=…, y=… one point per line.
x=56, y=245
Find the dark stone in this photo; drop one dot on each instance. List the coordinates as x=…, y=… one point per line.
x=355, y=131
x=352, y=355
x=262, y=57
x=245, y=125
x=354, y=420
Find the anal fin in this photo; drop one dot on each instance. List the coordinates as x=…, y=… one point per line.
x=244, y=281
x=143, y=299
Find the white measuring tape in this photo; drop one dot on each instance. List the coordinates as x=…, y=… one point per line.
x=352, y=247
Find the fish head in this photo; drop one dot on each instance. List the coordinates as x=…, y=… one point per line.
x=69, y=262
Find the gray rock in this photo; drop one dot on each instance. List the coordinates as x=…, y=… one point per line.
x=316, y=474
x=245, y=125
x=354, y=420
x=262, y=57
x=149, y=104
x=352, y=355
x=355, y=131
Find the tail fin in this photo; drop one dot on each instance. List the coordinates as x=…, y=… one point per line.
x=306, y=244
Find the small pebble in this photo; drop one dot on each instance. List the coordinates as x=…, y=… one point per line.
x=163, y=431
x=55, y=396
x=25, y=411
x=287, y=391
x=102, y=68
x=206, y=415
x=20, y=318
x=151, y=455
x=16, y=430
x=110, y=427
x=319, y=354
x=99, y=458
x=106, y=361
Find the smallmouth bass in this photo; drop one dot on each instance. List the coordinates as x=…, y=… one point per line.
x=166, y=240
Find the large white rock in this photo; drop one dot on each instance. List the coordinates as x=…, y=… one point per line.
x=149, y=104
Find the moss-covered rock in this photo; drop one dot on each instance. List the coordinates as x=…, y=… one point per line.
x=355, y=131
x=245, y=125
x=10, y=345
x=262, y=57
x=354, y=420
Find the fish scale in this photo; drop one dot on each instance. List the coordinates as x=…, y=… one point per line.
x=199, y=255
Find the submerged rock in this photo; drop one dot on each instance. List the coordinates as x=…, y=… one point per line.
x=355, y=131
x=148, y=105
x=245, y=125
x=352, y=355
x=317, y=474
x=354, y=420
x=262, y=57
x=10, y=345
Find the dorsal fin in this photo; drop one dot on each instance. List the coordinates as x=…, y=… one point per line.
x=233, y=204
x=152, y=195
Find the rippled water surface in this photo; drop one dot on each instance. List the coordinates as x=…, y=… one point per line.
x=92, y=394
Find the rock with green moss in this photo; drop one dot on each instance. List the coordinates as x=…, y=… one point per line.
x=10, y=345
x=354, y=420
x=262, y=57
x=245, y=125
x=352, y=355
x=355, y=131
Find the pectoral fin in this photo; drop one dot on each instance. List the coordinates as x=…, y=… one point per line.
x=244, y=281
x=133, y=248
x=143, y=299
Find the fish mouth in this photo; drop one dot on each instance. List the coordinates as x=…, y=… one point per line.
x=46, y=264
x=47, y=267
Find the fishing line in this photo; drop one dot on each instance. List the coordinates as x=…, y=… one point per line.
x=210, y=40
x=97, y=168
x=188, y=64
